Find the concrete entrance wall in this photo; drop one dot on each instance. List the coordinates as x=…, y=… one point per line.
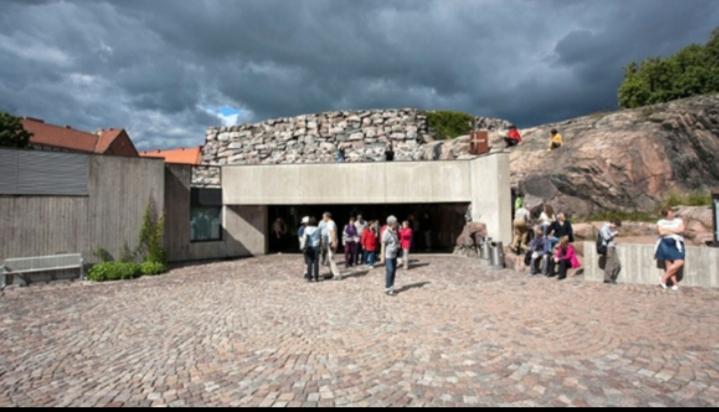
x=243, y=227
x=483, y=181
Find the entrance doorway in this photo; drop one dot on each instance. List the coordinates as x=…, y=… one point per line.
x=436, y=225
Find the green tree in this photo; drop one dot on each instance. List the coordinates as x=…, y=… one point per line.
x=150, y=247
x=12, y=134
x=693, y=70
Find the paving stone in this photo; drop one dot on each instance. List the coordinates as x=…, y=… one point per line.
x=251, y=333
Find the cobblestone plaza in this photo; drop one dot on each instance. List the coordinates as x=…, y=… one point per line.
x=251, y=333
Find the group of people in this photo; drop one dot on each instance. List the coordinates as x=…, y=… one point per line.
x=360, y=239
x=548, y=248
x=513, y=138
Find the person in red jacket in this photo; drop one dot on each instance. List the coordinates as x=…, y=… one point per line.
x=405, y=242
x=513, y=137
x=369, y=244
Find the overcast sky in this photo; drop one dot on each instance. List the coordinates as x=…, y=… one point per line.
x=166, y=70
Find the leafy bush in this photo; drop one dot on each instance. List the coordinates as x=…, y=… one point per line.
x=114, y=271
x=693, y=70
x=151, y=237
x=687, y=199
x=103, y=255
x=152, y=268
x=448, y=124
x=608, y=215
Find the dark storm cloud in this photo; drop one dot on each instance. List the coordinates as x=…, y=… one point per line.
x=162, y=68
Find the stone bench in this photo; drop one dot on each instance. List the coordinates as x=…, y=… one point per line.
x=26, y=266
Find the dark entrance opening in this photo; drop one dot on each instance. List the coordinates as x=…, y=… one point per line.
x=436, y=225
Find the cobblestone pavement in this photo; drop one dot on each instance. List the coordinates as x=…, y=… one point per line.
x=251, y=332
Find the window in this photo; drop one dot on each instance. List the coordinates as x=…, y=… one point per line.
x=205, y=214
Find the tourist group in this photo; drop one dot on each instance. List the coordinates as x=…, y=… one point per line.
x=361, y=240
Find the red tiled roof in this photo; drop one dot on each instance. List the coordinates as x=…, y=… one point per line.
x=45, y=134
x=182, y=155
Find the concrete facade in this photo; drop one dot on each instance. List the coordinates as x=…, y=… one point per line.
x=243, y=227
x=110, y=216
x=482, y=181
x=701, y=266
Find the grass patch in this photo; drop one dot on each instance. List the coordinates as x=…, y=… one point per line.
x=609, y=215
x=688, y=199
x=448, y=124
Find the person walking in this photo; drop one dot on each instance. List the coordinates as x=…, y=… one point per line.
x=566, y=257
x=329, y=244
x=607, y=250
x=405, y=242
x=311, y=252
x=390, y=242
x=369, y=244
x=350, y=240
x=670, y=249
x=555, y=141
x=301, y=237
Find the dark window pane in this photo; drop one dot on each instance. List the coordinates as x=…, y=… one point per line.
x=206, y=223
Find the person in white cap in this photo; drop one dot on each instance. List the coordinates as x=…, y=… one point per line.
x=301, y=236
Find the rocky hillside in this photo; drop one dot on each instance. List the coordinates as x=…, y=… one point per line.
x=624, y=161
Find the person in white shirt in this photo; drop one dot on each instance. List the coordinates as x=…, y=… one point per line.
x=547, y=218
x=329, y=242
x=521, y=226
x=609, y=260
x=670, y=248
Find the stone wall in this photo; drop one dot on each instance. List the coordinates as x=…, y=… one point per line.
x=315, y=138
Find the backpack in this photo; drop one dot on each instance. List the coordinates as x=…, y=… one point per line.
x=601, y=246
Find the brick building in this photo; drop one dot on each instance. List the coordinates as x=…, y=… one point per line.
x=52, y=137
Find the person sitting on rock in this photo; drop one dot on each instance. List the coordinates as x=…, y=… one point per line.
x=560, y=228
x=555, y=142
x=566, y=257
x=513, y=137
x=537, y=254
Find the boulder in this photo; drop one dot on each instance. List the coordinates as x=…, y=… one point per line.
x=471, y=235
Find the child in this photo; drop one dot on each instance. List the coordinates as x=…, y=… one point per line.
x=369, y=244
x=556, y=140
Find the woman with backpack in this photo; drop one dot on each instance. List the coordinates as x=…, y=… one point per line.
x=311, y=250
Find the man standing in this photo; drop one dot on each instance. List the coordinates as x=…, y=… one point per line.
x=329, y=241
x=609, y=259
x=521, y=229
x=301, y=236
x=390, y=243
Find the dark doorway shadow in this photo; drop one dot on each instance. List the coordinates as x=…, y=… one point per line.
x=411, y=286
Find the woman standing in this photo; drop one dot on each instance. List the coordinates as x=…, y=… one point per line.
x=349, y=241
x=566, y=257
x=312, y=250
x=670, y=247
x=546, y=218
x=390, y=243
x=405, y=242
